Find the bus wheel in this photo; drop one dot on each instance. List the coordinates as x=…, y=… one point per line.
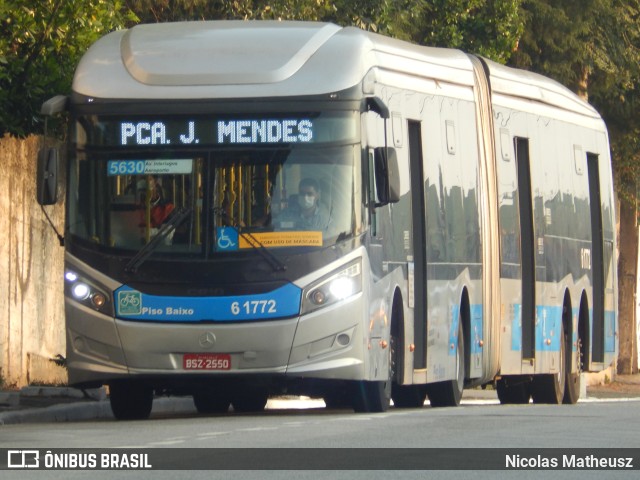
x=130, y=401
x=337, y=397
x=371, y=396
x=210, y=401
x=512, y=391
x=449, y=393
x=249, y=400
x=374, y=396
x=572, y=383
x=403, y=396
x=549, y=388
x=408, y=396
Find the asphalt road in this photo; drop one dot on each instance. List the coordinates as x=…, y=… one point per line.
x=595, y=425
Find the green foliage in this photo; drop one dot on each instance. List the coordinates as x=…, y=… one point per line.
x=488, y=28
x=593, y=47
x=149, y=11
x=41, y=42
x=491, y=29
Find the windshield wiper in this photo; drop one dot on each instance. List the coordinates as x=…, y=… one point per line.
x=174, y=222
x=256, y=244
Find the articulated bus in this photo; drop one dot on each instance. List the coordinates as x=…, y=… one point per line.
x=259, y=208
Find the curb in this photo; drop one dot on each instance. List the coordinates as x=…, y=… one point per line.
x=69, y=392
x=78, y=411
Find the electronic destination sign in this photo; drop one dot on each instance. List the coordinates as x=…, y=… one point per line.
x=200, y=131
x=222, y=132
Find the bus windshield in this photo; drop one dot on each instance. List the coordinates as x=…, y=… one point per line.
x=213, y=200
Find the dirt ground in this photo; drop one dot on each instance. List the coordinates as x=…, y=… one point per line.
x=622, y=385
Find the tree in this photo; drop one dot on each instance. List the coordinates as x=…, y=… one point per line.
x=593, y=47
x=150, y=11
x=41, y=42
x=487, y=28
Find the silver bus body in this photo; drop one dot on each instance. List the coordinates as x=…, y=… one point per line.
x=453, y=286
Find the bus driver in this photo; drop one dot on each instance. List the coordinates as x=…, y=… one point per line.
x=308, y=213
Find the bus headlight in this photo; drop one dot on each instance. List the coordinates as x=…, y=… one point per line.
x=86, y=293
x=80, y=291
x=338, y=285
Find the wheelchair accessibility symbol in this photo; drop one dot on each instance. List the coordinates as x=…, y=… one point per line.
x=226, y=239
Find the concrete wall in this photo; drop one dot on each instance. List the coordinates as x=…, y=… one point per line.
x=31, y=272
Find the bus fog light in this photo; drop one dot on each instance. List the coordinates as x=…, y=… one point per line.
x=343, y=339
x=80, y=291
x=318, y=297
x=79, y=344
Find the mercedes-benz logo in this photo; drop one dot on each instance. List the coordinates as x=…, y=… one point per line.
x=207, y=340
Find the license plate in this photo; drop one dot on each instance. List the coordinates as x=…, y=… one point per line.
x=206, y=361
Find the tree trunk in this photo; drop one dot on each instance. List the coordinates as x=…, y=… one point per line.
x=627, y=277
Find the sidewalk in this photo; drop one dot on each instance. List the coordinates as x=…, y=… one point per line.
x=35, y=404
x=622, y=386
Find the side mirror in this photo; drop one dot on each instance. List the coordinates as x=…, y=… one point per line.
x=375, y=104
x=387, y=175
x=47, y=176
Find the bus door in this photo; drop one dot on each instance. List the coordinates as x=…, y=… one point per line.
x=597, y=259
x=418, y=221
x=527, y=249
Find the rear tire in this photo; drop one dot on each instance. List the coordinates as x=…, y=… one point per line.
x=449, y=393
x=572, y=389
x=130, y=401
x=572, y=386
x=408, y=396
x=513, y=391
x=549, y=388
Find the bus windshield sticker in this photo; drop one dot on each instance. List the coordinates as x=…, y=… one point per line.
x=226, y=239
x=283, y=239
x=150, y=167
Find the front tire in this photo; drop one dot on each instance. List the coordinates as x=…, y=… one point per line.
x=338, y=397
x=249, y=400
x=371, y=396
x=210, y=401
x=130, y=401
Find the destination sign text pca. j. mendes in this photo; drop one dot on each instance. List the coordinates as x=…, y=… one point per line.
x=260, y=131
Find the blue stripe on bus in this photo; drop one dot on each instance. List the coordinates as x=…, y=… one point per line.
x=548, y=324
x=280, y=303
x=476, y=329
x=609, y=331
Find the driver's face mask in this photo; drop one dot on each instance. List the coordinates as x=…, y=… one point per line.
x=306, y=200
